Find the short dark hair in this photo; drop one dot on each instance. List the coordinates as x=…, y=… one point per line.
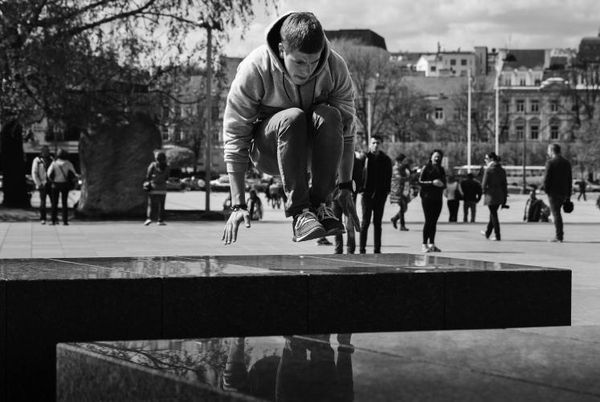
x=302, y=32
x=492, y=156
x=400, y=157
x=555, y=148
x=470, y=175
x=439, y=151
x=377, y=137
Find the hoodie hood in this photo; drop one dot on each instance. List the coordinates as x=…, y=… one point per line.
x=273, y=38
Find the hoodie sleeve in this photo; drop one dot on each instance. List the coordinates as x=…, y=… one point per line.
x=342, y=95
x=241, y=112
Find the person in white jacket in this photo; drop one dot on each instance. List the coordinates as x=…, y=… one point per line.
x=290, y=110
x=39, y=169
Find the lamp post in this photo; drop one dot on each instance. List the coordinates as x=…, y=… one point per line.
x=499, y=66
x=209, y=26
x=469, y=121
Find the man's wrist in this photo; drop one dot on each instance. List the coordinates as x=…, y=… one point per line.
x=237, y=207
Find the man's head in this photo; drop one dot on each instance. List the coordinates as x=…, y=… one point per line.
x=470, y=176
x=400, y=158
x=375, y=143
x=45, y=151
x=302, y=41
x=553, y=149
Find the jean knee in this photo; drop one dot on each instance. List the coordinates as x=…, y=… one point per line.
x=328, y=114
x=292, y=120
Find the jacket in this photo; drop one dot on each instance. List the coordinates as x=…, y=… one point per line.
x=558, y=177
x=158, y=177
x=262, y=87
x=429, y=173
x=58, y=171
x=471, y=190
x=494, y=185
x=39, y=171
x=378, y=174
x=400, y=189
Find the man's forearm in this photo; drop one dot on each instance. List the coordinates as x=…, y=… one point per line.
x=347, y=163
x=237, y=184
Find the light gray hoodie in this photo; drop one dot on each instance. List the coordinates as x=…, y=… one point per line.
x=262, y=87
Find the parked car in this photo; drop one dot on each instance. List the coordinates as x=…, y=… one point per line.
x=220, y=184
x=175, y=184
x=192, y=183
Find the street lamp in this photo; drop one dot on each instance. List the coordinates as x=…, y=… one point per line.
x=499, y=66
x=209, y=26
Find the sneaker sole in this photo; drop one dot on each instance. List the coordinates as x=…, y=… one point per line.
x=316, y=233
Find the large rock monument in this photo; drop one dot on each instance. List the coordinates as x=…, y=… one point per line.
x=114, y=159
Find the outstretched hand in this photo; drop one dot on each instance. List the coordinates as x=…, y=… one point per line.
x=345, y=201
x=233, y=223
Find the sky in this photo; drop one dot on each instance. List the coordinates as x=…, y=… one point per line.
x=419, y=25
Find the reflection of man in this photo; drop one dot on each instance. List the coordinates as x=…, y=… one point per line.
x=378, y=179
x=557, y=184
x=306, y=371
x=292, y=99
x=39, y=170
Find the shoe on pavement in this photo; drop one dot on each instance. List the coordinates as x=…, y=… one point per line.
x=161, y=223
x=484, y=234
x=425, y=248
x=555, y=240
x=331, y=224
x=43, y=222
x=148, y=221
x=433, y=248
x=404, y=229
x=394, y=222
x=306, y=226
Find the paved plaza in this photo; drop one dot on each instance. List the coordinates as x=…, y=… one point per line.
x=525, y=243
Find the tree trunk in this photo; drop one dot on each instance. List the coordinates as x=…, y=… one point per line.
x=13, y=166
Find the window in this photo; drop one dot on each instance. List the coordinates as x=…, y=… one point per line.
x=520, y=105
x=506, y=106
x=519, y=131
x=507, y=82
x=439, y=113
x=538, y=82
x=432, y=68
x=463, y=62
x=535, y=106
x=452, y=62
x=534, y=132
x=522, y=82
x=554, y=132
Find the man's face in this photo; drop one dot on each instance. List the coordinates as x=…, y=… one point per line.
x=300, y=66
x=436, y=158
x=374, y=145
x=549, y=152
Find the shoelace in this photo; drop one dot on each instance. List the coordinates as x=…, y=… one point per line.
x=324, y=212
x=305, y=216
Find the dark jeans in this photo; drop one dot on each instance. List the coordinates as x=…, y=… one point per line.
x=556, y=202
x=156, y=206
x=403, y=206
x=283, y=144
x=469, y=205
x=350, y=232
x=494, y=222
x=45, y=192
x=453, y=210
x=432, y=209
x=63, y=190
x=371, y=206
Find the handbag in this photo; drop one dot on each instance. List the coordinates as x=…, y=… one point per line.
x=568, y=206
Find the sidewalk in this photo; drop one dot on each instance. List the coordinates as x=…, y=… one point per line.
x=523, y=243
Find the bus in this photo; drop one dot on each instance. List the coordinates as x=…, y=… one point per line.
x=534, y=175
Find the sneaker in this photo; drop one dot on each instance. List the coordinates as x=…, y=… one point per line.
x=425, y=248
x=161, y=223
x=148, y=221
x=434, y=248
x=483, y=234
x=555, y=240
x=394, y=222
x=306, y=226
x=324, y=242
x=404, y=228
x=331, y=224
x=43, y=222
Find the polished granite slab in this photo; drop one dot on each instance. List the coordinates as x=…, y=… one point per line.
x=529, y=364
x=47, y=301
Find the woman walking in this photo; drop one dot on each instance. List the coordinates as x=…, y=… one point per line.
x=61, y=174
x=433, y=182
x=495, y=192
x=157, y=175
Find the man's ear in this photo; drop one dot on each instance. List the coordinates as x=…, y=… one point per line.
x=281, y=50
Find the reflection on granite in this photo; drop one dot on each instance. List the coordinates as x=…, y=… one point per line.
x=70, y=268
x=555, y=363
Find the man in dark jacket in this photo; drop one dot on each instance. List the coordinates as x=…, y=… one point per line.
x=557, y=184
x=471, y=191
x=377, y=183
